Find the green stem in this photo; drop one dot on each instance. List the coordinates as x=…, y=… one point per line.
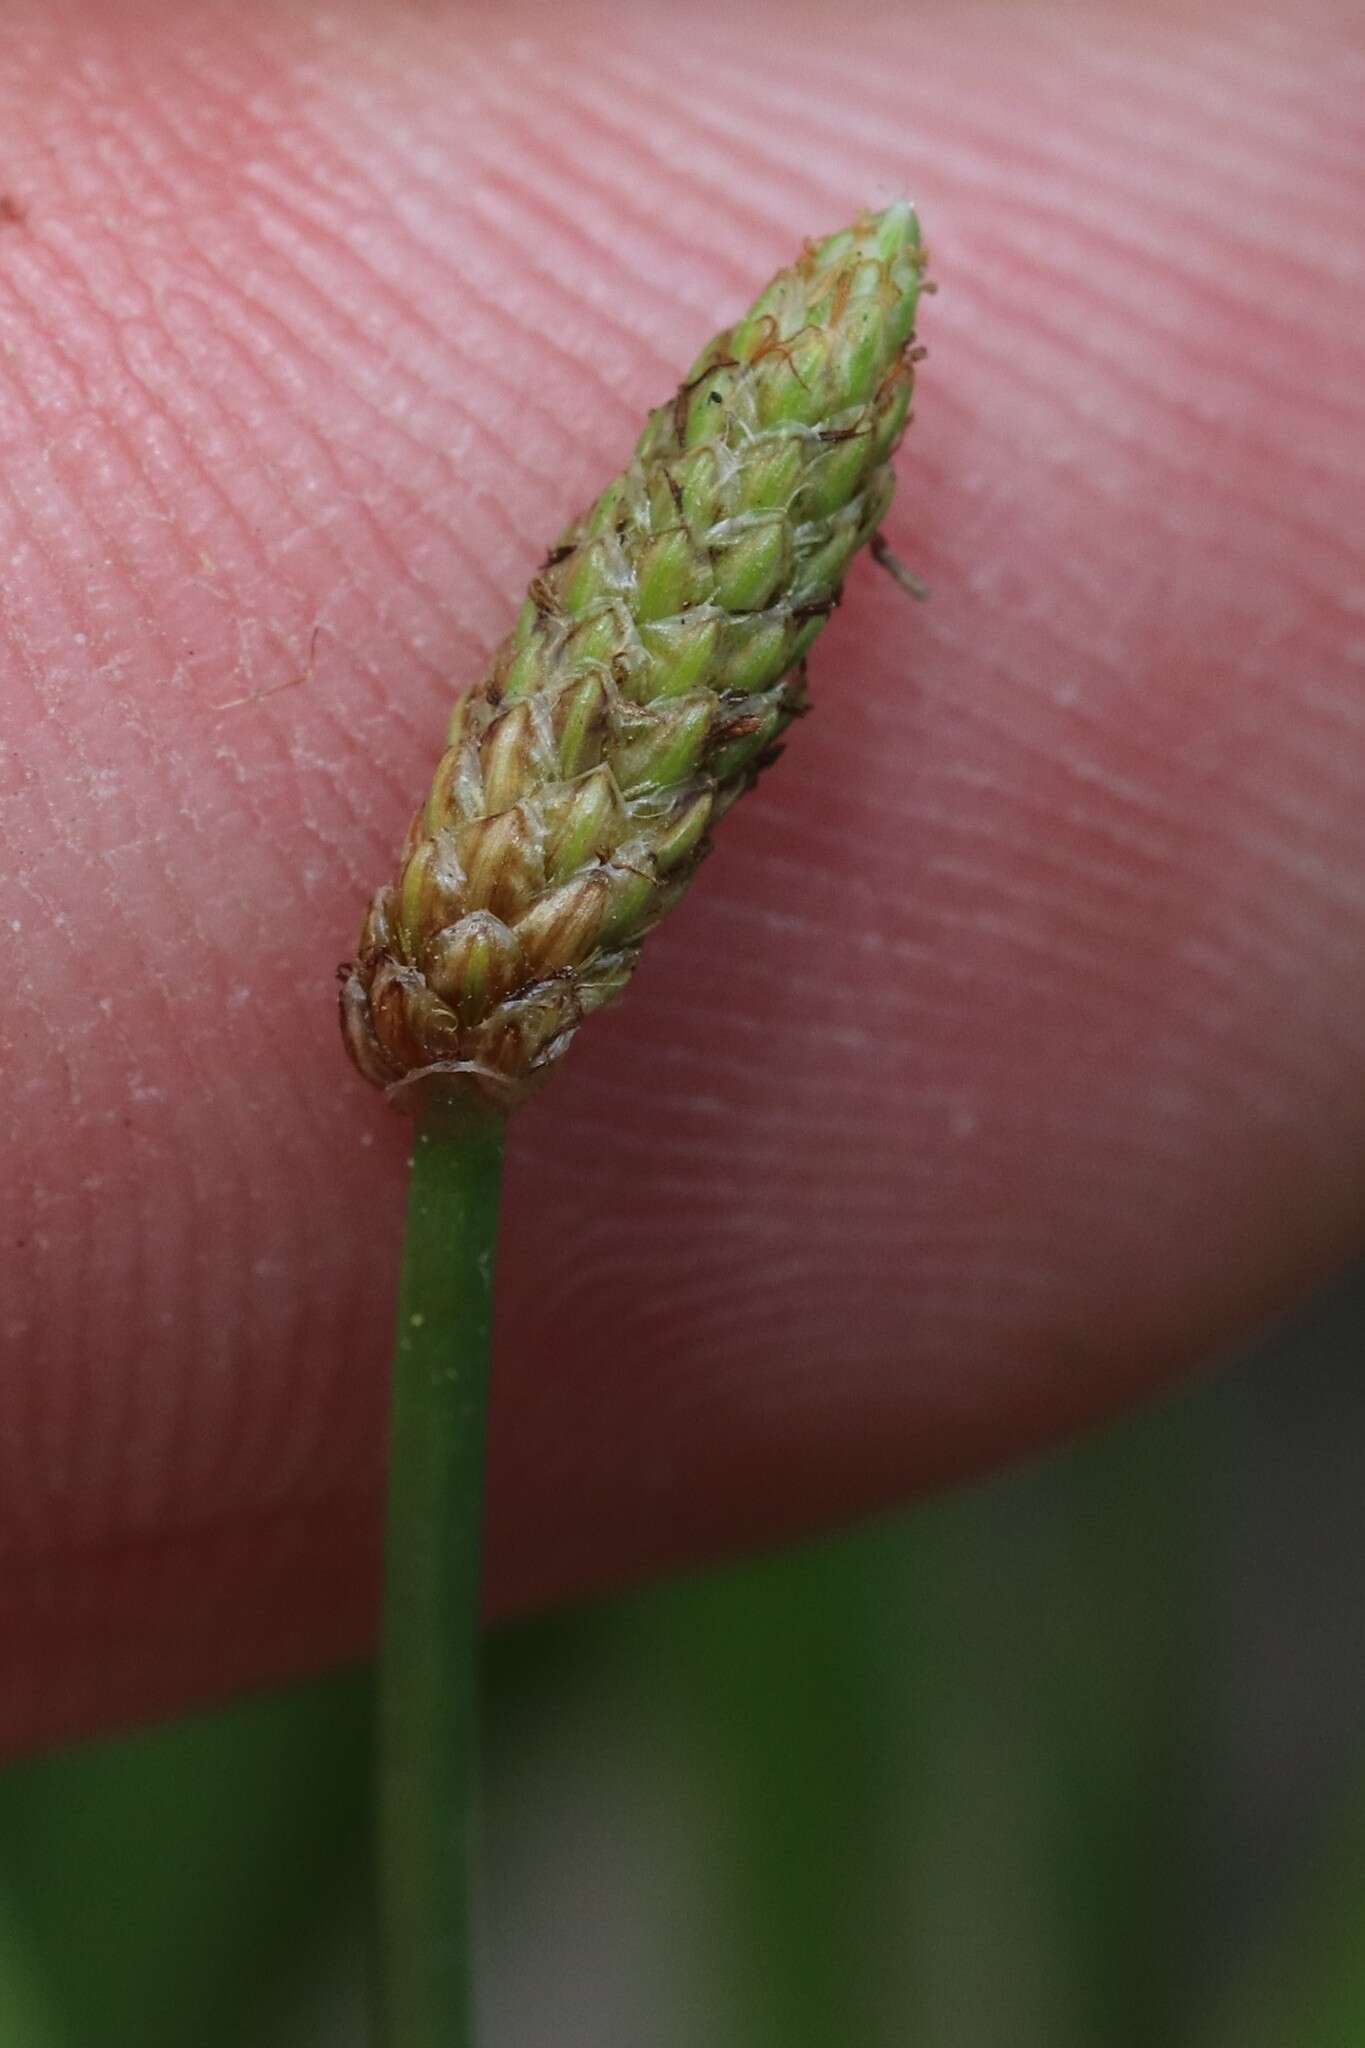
x=429, y=1673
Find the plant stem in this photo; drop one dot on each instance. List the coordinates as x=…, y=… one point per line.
x=428, y=1733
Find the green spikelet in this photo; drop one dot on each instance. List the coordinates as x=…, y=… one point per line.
x=658, y=657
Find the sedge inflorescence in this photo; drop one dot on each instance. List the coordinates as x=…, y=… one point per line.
x=656, y=661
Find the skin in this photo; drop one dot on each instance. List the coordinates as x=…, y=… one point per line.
x=1007, y=1059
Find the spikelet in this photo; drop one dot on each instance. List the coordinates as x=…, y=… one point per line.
x=657, y=659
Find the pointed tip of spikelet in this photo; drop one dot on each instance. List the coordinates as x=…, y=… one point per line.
x=897, y=228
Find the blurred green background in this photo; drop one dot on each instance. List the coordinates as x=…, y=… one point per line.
x=1075, y=1756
